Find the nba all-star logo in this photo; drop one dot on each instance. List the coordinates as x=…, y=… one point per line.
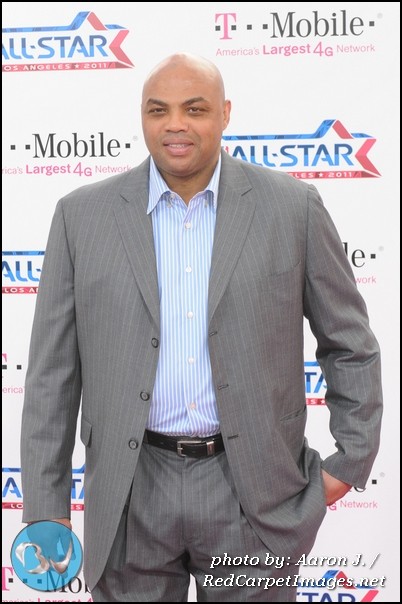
x=85, y=43
x=21, y=271
x=330, y=151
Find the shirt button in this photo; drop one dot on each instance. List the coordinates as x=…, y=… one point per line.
x=145, y=396
x=155, y=342
x=192, y=406
x=190, y=315
x=187, y=225
x=188, y=269
x=191, y=360
x=132, y=443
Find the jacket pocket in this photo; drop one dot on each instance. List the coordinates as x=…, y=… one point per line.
x=292, y=427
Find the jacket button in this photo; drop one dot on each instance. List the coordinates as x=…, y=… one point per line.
x=145, y=396
x=132, y=443
x=155, y=342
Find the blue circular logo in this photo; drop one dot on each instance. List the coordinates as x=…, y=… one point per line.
x=46, y=555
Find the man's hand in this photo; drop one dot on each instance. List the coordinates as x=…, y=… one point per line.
x=65, y=521
x=334, y=489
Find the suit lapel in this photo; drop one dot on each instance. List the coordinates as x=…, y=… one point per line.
x=137, y=234
x=235, y=211
x=234, y=215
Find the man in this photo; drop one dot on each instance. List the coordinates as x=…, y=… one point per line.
x=172, y=297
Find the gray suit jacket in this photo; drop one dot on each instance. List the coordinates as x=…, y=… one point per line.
x=276, y=258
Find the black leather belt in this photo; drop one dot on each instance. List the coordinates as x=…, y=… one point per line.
x=186, y=446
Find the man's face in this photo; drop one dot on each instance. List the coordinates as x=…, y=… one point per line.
x=183, y=116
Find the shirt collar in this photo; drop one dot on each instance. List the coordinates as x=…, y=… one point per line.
x=158, y=187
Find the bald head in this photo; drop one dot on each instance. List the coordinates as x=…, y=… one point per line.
x=187, y=63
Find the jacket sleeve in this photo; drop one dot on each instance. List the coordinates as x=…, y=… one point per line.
x=53, y=386
x=347, y=349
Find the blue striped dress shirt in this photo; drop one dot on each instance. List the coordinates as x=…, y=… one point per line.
x=183, y=400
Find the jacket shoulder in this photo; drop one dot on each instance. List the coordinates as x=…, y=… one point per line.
x=107, y=189
x=266, y=179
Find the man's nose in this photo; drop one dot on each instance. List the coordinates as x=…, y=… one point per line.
x=177, y=121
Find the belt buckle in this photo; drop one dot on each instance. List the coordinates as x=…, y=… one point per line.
x=210, y=446
x=180, y=443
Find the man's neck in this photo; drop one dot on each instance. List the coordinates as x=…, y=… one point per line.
x=189, y=186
